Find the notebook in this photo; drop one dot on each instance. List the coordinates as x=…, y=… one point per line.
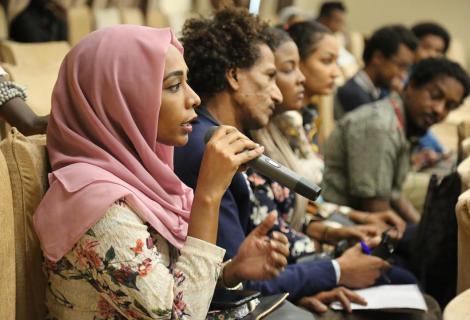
x=406, y=296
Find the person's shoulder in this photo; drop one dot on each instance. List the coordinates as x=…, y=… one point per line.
x=351, y=95
x=349, y=87
x=352, y=85
x=377, y=116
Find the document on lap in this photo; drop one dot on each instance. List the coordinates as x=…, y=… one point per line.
x=388, y=297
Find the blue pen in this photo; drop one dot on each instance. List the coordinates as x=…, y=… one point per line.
x=365, y=248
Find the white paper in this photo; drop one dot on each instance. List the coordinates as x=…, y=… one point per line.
x=405, y=296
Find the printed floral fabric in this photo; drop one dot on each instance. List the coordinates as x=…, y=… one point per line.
x=311, y=123
x=122, y=269
x=300, y=128
x=269, y=196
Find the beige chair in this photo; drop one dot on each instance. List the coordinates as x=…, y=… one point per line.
x=156, y=19
x=39, y=82
x=465, y=148
x=99, y=4
x=326, y=118
x=7, y=246
x=132, y=16
x=459, y=307
x=446, y=134
x=463, y=170
x=463, y=130
x=65, y=3
x=106, y=17
x=79, y=3
x=348, y=71
x=457, y=52
x=463, y=221
x=415, y=188
x=125, y=3
x=15, y=7
x=33, y=54
x=27, y=166
x=35, y=66
x=176, y=11
x=356, y=45
x=463, y=133
x=3, y=24
x=80, y=23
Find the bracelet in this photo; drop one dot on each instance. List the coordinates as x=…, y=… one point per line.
x=222, y=280
x=9, y=90
x=324, y=234
x=344, y=210
x=221, y=276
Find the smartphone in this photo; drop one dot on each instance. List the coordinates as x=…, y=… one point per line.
x=227, y=299
x=386, y=247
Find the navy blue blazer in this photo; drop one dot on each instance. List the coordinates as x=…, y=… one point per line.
x=351, y=96
x=302, y=279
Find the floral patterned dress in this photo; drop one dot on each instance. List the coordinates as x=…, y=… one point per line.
x=268, y=196
x=123, y=269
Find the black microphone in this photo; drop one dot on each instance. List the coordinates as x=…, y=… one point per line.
x=279, y=173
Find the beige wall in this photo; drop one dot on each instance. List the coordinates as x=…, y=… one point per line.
x=367, y=15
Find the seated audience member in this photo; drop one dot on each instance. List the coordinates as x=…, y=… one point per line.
x=238, y=88
x=388, y=55
x=290, y=15
x=333, y=16
x=433, y=42
x=367, y=154
x=123, y=237
x=15, y=111
x=319, y=68
x=288, y=144
x=36, y=20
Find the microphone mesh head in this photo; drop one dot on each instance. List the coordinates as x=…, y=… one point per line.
x=209, y=134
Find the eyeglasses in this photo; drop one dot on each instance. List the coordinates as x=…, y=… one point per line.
x=403, y=66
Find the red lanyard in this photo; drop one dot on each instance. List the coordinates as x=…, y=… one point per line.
x=398, y=113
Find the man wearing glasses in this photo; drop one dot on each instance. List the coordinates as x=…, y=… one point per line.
x=388, y=55
x=367, y=156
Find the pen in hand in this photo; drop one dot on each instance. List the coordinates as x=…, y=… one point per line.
x=365, y=248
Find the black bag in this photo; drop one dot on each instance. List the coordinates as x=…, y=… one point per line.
x=433, y=254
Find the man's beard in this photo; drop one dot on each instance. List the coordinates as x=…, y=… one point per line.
x=412, y=129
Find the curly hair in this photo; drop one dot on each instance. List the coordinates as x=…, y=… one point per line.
x=213, y=46
x=429, y=69
x=431, y=28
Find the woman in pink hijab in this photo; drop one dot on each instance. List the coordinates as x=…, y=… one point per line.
x=123, y=237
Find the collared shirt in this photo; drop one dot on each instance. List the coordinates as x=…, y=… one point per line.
x=363, y=80
x=357, y=91
x=367, y=155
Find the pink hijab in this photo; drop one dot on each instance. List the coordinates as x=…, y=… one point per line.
x=102, y=140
